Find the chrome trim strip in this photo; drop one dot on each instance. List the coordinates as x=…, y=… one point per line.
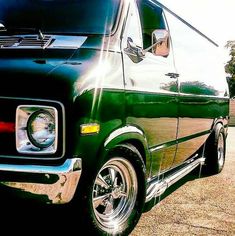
x=68, y=42
x=59, y=182
x=158, y=187
x=122, y=130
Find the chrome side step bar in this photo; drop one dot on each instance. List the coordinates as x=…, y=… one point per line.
x=158, y=187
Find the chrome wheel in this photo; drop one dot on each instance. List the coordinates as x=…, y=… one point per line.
x=220, y=150
x=114, y=193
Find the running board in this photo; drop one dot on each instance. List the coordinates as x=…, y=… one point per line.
x=158, y=187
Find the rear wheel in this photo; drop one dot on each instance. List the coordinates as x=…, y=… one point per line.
x=116, y=194
x=215, y=151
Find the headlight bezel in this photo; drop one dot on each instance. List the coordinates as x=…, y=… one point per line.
x=25, y=144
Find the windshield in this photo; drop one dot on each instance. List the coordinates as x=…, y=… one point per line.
x=60, y=16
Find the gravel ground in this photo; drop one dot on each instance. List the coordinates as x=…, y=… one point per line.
x=196, y=206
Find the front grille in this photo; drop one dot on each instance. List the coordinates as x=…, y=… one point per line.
x=25, y=41
x=7, y=136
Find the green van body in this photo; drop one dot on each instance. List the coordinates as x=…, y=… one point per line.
x=113, y=101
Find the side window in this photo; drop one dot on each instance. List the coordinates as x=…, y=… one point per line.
x=195, y=60
x=133, y=27
x=152, y=18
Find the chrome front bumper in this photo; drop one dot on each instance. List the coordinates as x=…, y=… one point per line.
x=57, y=183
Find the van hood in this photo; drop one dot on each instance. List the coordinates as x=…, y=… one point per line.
x=44, y=69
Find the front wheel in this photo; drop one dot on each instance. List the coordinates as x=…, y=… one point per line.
x=117, y=194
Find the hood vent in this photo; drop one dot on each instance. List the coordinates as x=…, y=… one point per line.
x=25, y=42
x=6, y=42
x=34, y=41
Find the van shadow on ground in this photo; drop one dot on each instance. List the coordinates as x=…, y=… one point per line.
x=29, y=217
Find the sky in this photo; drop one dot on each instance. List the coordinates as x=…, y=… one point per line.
x=213, y=18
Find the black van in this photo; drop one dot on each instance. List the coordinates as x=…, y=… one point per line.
x=105, y=104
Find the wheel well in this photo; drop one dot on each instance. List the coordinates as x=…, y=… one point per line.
x=211, y=139
x=211, y=136
x=137, y=144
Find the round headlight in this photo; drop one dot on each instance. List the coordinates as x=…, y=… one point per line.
x=41, y=129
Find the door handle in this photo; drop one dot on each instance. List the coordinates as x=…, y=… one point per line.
x=173, y=75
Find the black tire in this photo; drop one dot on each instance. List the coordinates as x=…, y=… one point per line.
x=215, y=150
x=115, y=195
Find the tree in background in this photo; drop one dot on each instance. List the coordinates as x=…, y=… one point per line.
x=230, y=67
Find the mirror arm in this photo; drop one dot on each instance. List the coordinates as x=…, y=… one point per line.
x=155, y=44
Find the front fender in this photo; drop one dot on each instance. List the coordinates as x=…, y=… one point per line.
x=130, y=134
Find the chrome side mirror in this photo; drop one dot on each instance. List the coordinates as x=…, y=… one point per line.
x=161, y=42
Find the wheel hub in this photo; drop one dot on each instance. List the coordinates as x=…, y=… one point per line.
x=116, y=192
